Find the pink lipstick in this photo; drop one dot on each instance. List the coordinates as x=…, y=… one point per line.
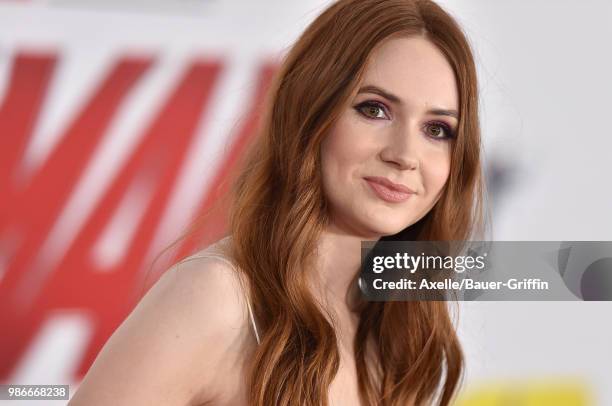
x=389, y=191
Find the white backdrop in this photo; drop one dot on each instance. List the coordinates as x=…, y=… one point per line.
x=545, y=83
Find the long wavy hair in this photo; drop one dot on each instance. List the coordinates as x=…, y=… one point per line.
x=278, y=211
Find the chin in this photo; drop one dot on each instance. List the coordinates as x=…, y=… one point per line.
x=383, y=229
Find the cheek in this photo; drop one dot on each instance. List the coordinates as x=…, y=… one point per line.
x=344, y=150
x=438, y=170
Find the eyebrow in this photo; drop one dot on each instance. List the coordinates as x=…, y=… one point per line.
x=395, y=99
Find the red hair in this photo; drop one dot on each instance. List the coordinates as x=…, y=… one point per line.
x=278, y=212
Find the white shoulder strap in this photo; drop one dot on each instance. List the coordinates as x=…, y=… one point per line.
x=252, y=319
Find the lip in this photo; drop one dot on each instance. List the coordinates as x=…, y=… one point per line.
x=389, y=191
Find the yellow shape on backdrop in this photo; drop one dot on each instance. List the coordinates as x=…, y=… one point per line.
x=528, y=393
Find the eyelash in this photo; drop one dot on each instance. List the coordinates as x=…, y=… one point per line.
x=447, y=129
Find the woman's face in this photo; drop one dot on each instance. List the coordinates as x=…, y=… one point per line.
x=387, y=158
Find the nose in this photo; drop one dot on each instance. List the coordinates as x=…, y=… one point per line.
x=401, y=149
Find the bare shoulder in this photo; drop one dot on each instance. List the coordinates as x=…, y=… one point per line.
x=180, y=342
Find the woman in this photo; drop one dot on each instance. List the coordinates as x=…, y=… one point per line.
x=370, y=133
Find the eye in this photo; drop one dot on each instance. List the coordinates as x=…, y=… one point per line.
x=439, y=130
x=372, y=110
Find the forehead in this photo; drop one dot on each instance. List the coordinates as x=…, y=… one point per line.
x=414, y=69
